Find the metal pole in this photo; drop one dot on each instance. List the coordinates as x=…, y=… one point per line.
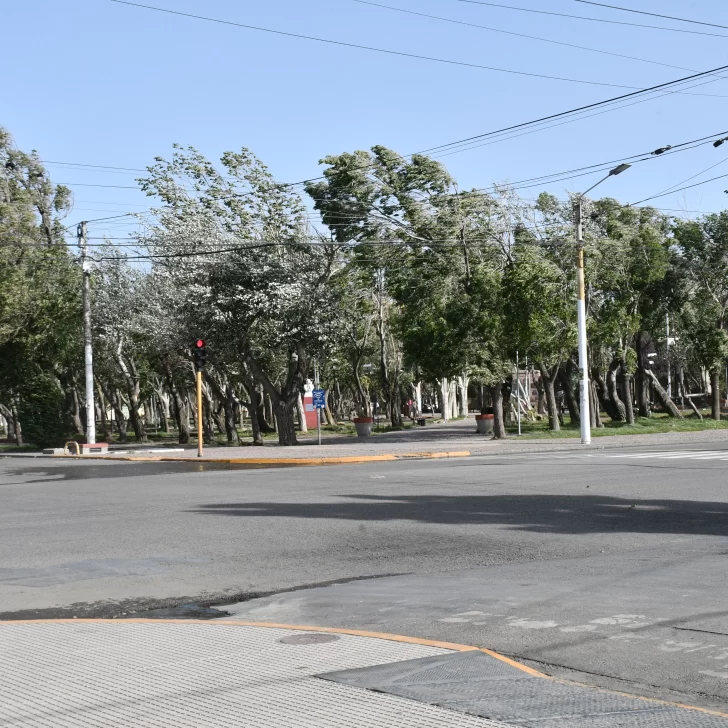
x=518, y=391
x=318, y=411
x=581, y=323
x=667, y=354
x=198, y=382
x=88, y=352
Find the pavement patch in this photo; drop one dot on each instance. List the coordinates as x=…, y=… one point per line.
x=478, y=684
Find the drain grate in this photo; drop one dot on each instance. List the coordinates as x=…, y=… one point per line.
x=477, y=684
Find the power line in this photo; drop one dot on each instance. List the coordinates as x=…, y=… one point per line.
x=594, y=20
x=654, y=15
x=662, y=194
x=707, y=169
x=372, y=48
x=85, y=184
x=530, y=37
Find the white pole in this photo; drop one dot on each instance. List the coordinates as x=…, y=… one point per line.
x=581, y=323
x=87, y=338
x=518, y=392
x=667, y=345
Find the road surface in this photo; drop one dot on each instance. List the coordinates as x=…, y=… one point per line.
x=607, y=567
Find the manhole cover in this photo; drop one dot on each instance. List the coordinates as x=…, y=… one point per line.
x=308, y=639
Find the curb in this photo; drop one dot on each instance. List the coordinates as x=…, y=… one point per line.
x=454, y=646
x=344, y=460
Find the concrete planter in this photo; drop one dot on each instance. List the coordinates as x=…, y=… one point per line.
x=363, y=426
x=484, y=424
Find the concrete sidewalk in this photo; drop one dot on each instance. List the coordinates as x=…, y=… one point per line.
x=453, y=439
x=194, y=674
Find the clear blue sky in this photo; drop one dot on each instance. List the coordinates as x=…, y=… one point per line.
x=95, y=82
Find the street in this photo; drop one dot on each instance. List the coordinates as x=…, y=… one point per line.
x=604, y=566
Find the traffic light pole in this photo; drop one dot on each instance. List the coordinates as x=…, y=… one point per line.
x=199, y=412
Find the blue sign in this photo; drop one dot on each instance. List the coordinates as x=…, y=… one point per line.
x=319, y=398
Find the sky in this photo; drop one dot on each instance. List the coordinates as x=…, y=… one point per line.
x=94, y=82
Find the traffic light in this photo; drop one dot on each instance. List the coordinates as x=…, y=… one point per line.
x=199, y=353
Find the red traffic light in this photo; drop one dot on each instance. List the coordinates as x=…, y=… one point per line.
x=199, y=343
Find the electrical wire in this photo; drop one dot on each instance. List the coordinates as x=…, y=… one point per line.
x=707, y=169
x=654, y=15
x=594, y=20
x=662, y=194
x=372, y=48
x=530, y=37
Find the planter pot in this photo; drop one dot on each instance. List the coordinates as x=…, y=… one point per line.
x=484, y=424
x=363, y=426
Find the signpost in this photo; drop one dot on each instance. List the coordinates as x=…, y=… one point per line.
x=319, y=403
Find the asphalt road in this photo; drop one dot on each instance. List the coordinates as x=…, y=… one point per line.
x=607, y=567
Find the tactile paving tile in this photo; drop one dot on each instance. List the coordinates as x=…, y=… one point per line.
x=481, y=685
x=184, y=675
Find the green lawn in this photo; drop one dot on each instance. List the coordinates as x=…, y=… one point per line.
x=642, y=426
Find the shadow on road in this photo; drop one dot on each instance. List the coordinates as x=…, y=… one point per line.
x=539, y=513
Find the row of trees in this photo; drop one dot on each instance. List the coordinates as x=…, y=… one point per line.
x=403, y=281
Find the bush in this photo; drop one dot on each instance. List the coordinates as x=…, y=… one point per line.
x=42, y=412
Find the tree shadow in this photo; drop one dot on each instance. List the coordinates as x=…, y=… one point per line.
x=560, y=514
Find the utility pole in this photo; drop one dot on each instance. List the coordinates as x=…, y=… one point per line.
x=88, y=352
x=518, y=392
x=581, y=323
x=581, y=308
x=667, y=354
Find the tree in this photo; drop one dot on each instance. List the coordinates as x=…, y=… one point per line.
x=263, y=288
x=40, y=288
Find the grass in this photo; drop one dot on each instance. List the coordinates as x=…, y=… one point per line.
x=658, y=423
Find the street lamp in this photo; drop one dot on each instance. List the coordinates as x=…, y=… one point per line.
x=581, y=309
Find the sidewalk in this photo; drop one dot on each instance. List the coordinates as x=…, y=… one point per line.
x=162, y=674
x=453, y=439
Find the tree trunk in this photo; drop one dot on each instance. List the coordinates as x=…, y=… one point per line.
x=619, y=408
x=254, y=408
x=541, y=404
x=662, y=395
x=548, y=379
x=566, y=384
x=499, y=425
x=444, y=388
x=163, y=410
x=260, y=412
x=101, y=410
x=208, y=427
x=628, y=405
x=327, y=410
x=463, y=381
x=715, y=393
x=452, y=399
x=285, y=423
x=643, y=402
x=269, y=414
x=117, y=406
x=302, y=424
x=695, y=410
x=230, y=404
x=18, y=425
x=178, y=410
x=628, y=399
x=10, y=422
x=131, y=378
x=595, y=412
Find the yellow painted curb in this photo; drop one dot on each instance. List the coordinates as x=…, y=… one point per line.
x=344, y=460
x=454, y=646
